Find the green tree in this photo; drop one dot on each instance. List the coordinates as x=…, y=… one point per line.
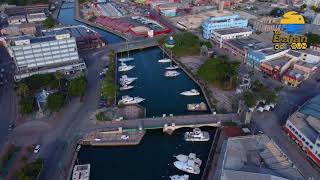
x=78, y=86
x=312, y=39
x=49, y=22
x=55, y=101
x=58, y=75
x=250, y=99
x=303, y=7
x=27, y=105
x=30, y=171
x=23, y=90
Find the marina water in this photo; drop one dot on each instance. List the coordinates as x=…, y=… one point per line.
x=153, y=158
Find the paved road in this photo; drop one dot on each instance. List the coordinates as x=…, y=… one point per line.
x=7, y=95
x=271, y=122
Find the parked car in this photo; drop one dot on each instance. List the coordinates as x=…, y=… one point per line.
x=36, y=149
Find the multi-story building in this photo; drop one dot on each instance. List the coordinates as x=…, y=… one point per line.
x=240, y=47
x=303, y=127
x=46, y=54
x=36, y=17
x=293, y=77
x=85, y=37
x=231, y=33
x=266, y=24
x=222, y=22
x=254, y=157
x=17, y=19
x=20, y=29
x=255, y=58
x=277, y=67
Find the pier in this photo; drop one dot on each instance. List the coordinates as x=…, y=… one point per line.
x=113, y=138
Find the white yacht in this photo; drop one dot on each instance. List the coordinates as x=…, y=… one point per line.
x=125, y=80
x=127, y=100
x=191, y=156
x=171, y=73
x=172, y=67
x=189, y=166
x=125, y=67
x=126, y=59
x=197, y=107
x=164, y=60
x=197, y=135
x=192, y=92
x=178, y=177
x=125, y=87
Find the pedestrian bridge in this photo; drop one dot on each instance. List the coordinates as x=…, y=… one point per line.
x=169, y=124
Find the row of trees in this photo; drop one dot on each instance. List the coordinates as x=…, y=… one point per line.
x=24, y=2
x=55, y=82
x=30, y=171
x=108, y=87
x=259, y=92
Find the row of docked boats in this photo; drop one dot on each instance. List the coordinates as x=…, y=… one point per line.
x=190, y=163
x=171, y=70
x=126, y=82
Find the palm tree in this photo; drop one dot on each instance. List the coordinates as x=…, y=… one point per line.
x=58, y=76
x=23, y=90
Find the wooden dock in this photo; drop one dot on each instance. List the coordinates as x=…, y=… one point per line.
x=113, y=138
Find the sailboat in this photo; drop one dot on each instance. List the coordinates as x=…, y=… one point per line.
x=128, y=58
x=164, y=60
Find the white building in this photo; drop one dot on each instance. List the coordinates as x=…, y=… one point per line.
x=254, y=157
x=304, y=128
x=16, y=19
x=231, y=33
x=46, y=54
x=36, y=17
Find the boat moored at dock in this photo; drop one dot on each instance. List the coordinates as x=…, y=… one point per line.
x=191, y=156
x=197, y=136
x=164, y=60
x=124, y=67
x=178, y=177
x=81, y=172
x=172, y=67
x=189, y=166
x=125, y=87
x=197, y=107
x=126, y=59
x=128, y=100
x=125, y=80
x=171, y=73
x=192, y=92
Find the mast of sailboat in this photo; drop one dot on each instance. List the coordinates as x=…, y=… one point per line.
x=127, y=48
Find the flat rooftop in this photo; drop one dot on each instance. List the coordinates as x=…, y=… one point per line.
x=280, y=61
x=194, y=21
x=255, y=157
x=306, y=64
x=245, y=44
x=74, y=31
x=232, y=31
x=307, y=119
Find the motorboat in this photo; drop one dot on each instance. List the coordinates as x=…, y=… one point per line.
x=128, y=100
x=172, y=67
x=125, y=80
x=189, y=166
x=171, y=73
x=191, y=156
x=126, y=59
x=178, y=177
x=164, y=60
x=197, y=107
x=197, y=135
x=192, y=92
x=125, y=87
x=125, y=67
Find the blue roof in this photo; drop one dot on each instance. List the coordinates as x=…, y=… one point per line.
x=42, y=39
x=312, y=107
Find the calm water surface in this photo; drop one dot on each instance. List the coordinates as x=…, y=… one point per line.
x=151, y=160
